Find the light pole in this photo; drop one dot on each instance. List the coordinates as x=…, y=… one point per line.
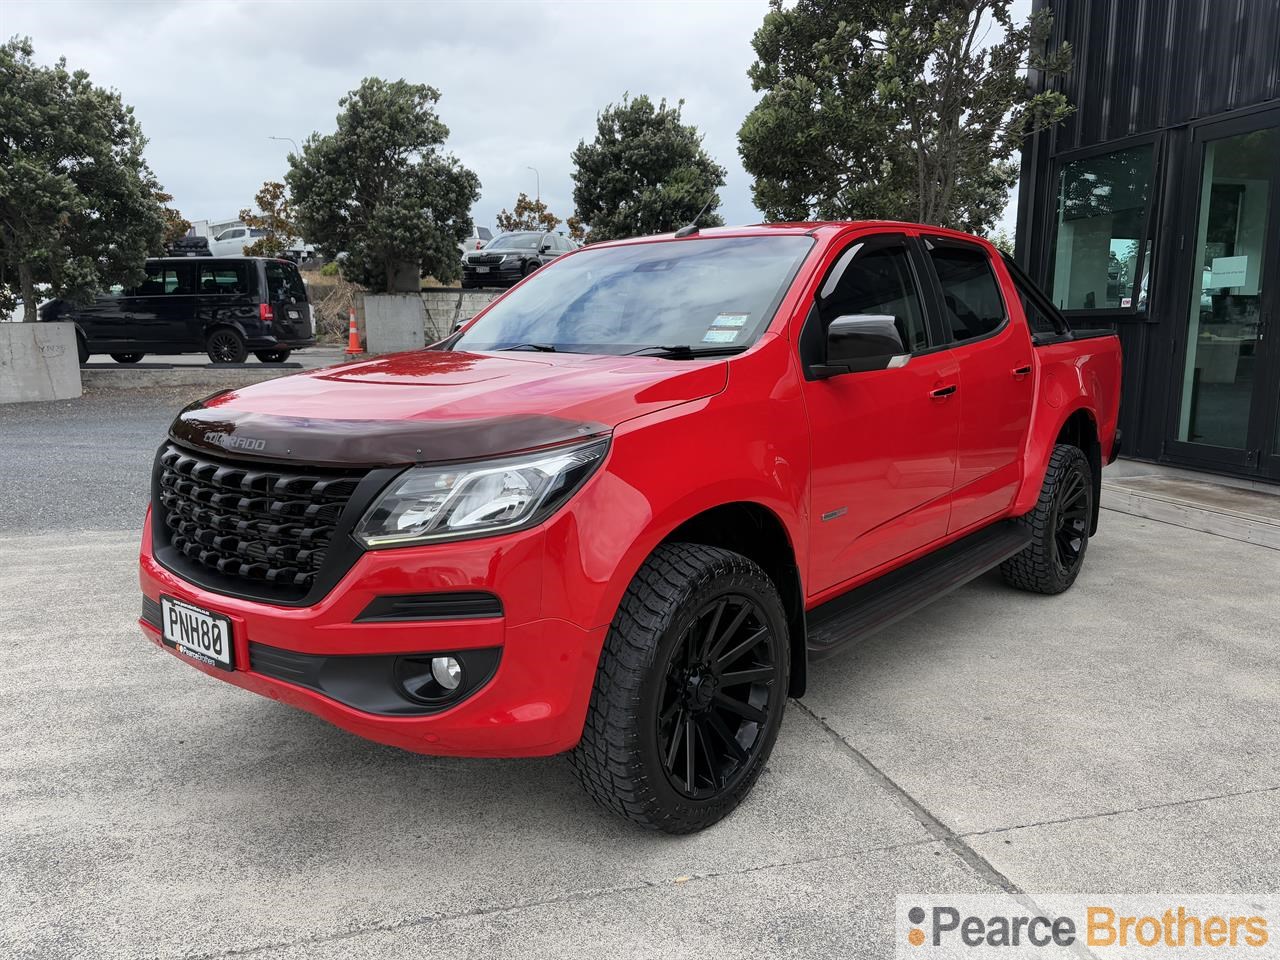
x=538, y=181
x=291, y=140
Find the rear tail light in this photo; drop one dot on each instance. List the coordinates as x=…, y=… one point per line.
x=265, y=313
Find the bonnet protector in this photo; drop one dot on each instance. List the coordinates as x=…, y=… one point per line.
x=368, y=443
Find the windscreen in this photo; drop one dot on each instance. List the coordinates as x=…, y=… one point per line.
x=701, y=293
x=516, y=241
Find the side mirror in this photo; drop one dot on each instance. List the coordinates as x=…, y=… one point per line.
x=545, y=248
x=860, y=342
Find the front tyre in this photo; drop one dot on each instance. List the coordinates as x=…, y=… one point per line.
x=689, y=693
x=271, y=356
x=1059, y=526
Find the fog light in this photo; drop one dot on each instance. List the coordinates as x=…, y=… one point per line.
x=447, y=672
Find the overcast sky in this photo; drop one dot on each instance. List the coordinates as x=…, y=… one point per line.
x=520, y=81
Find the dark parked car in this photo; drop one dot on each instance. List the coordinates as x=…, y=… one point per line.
x=510, y=257
x=226, y=306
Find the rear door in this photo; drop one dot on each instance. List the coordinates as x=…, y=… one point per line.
x=224, y=296
x=287, y=296
x=996, y=387
x=884, y=441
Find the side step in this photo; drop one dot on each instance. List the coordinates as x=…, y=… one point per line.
x=852, y=617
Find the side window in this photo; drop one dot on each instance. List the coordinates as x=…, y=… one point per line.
x=972, y=305
x=1043, y=321
x=484, y=233
x=223, y=278
x=163, y=279
x=879, y=281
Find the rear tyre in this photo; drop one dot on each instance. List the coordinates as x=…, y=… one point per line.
x=226, y=346
x=1059, y=527
x=82, y=349
x=689, y=693
x=531, y=266
x=127, y=357
x=271, y=356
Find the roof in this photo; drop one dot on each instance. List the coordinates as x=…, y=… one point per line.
x=816, y=228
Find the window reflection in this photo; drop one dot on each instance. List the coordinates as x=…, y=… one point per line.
x=1098, y=243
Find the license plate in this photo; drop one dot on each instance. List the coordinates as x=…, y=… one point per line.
x=482, y=269
x=198, y=633
x=292, y=314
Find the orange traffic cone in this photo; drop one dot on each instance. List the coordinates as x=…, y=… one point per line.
x=353, y=337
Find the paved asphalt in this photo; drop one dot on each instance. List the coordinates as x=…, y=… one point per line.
x=1124, y=737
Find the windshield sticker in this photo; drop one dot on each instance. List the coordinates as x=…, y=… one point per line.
x=719, y=336
x=731, y=320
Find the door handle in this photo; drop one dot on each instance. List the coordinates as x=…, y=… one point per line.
x=1020, y=372
x=941, y=393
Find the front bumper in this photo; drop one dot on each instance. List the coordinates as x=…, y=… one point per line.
x=533, y=704
x=496, y=275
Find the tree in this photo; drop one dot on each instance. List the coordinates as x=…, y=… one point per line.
x=78, y=210
x=577, y=229
x=380, y=188
x=893, y=110
x=528, y=215
x=644, y=173
x=275, y=216
x=175, y=224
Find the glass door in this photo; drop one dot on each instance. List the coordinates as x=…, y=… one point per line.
x=1229, y=388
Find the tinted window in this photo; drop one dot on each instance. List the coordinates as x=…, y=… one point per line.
x=973, y=306
x=1040, y=321
x=164, y=279
x=484, y=233
x=706, y=293
x=284, y=283
x=879, y=281
x=231, y=278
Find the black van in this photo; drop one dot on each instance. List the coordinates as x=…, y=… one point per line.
x=226, y=306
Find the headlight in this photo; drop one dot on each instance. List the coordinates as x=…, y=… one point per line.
x=458, y=501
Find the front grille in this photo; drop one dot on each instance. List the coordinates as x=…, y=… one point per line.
x=265, y=524
x=488, y=259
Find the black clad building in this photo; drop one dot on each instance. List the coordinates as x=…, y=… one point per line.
x=1155, y=208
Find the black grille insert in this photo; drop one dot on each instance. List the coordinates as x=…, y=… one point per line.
x=261, y=524
x=461, y=605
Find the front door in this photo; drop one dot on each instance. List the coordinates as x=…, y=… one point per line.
x=1228, y=390
x=883, y=441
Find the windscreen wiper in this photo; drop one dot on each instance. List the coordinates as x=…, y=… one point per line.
x=540, y=347
x=679, y=351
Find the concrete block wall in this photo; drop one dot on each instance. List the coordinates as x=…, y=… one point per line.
x=445, y=307
x=38, y=361
x=395, y=321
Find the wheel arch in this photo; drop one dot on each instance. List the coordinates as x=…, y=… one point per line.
x=756, y=532
x=1078, y=427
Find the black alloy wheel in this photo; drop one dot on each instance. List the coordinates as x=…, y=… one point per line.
x=1072, y=509
x=717, y=697
x=272, y=356
x=127, y=357
x=689, y=692
x=1060, y=526
x=226, y=346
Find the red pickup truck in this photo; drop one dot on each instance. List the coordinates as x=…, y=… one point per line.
x=626, y=508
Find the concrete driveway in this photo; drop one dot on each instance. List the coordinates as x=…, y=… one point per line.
x=1124, y=737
